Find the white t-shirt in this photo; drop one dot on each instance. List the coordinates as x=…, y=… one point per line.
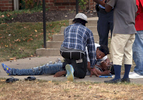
x=96, y=45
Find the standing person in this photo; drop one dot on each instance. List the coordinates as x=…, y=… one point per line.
x=123, y=36
x=104, y=24
x=76, y=38
x=138, y=43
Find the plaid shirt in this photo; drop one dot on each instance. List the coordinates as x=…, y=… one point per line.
x=77, y=36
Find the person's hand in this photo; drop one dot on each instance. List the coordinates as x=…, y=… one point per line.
x=60, y=73
x=103, y=3
x=93, y=72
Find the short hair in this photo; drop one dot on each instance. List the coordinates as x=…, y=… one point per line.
x=78, y=20
x=104, y=49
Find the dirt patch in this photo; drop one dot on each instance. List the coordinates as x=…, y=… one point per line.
x=48, y=90
x=50, y=16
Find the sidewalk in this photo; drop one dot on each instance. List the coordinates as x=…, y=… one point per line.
x=37, y=61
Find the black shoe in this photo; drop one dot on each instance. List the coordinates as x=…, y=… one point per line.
x=127, y=80
x=113, y=81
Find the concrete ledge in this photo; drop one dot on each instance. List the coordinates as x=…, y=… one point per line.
x=53, y=44
x=48, y=52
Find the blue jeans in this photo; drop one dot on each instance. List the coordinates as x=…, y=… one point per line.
x=138, y=53
x=45, y=69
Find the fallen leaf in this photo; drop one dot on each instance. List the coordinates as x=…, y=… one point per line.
x=17, y=40
x=35, y=30
x=41, y=33
x=6, y=46
x=2, y=80
x=49, y=81
x=36, y=35
x=29, y=39
x=2, y=15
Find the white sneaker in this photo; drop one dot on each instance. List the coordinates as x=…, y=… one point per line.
x=131, y=73
x=135, y=75
x=70, y=71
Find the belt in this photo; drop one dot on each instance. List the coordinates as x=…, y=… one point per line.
x=72, y=55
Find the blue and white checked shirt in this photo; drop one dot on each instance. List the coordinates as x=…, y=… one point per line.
x=77, y=36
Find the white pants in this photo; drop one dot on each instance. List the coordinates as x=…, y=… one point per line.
x=121, y=47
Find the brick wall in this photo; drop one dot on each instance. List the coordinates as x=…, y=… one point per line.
x=91, y=4
x=60, y=4
x=51, y=4
x=65, y=4
x=6, y=5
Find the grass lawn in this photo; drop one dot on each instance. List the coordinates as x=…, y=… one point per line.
x=19, y=40
x=49, y=90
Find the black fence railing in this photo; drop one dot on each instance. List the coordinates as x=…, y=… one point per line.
x=76, y=6
x=44, y=21
x=44, y=24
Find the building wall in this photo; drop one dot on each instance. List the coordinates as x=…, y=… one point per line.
x=6, y=5
x=51, y=4
x=60, y=4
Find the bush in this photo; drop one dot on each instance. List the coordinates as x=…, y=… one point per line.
x=82, y=4
x=29, y=4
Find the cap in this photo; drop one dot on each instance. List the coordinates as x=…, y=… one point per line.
x=81, y=16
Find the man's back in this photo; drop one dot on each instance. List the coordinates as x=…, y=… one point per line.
x=77, y=36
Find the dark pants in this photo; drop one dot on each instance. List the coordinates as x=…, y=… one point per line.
x=79, y=68
x=104, y=24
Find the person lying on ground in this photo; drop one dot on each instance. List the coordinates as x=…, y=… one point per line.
x=58, y=68
x=103, y=63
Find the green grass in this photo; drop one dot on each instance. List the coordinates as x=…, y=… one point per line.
x=22, y=39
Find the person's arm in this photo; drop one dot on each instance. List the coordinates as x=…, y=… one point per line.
x=108, y=8
x=60, y=73
x=88, y=66
x=100, y=2
x=91, y=70
x=96, y=71
x=110, y=4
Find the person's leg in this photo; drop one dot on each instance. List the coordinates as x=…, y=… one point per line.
x=80, y=68
x=103, y=28
x=126, y=74
x=110, y=21
x=138, y=52
x=118, y=43
x=128, y=57
x=45, y=69
x=69, y=69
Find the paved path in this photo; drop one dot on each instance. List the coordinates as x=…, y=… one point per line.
x=37, y=61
